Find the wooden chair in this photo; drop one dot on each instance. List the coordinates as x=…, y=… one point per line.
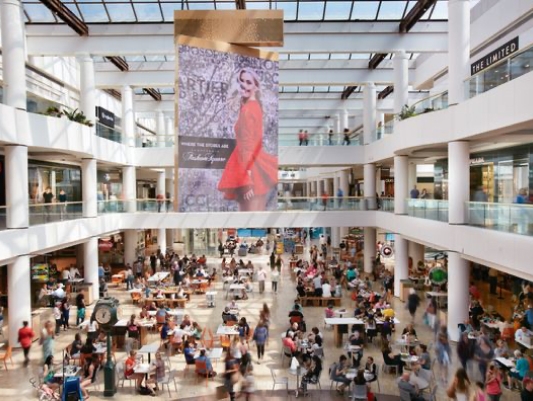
x=7, y=355
x=201, y=366
x=225, y=342
x=136, y=297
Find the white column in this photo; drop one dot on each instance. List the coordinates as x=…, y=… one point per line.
x=162, y=239
x=344, y=181
x=335, y=235
x=129, y=183
x=19, y=299
x=87, y=87
x=336, y=182
x=401, y=267
x=369, y=185
x=370, y=249
x=90, y=265
x=169, y=129
x=160, y=189
x=128, y=117
x=13, y=54
x=411, y=175
x=369, y=113
x=308, y=189
x=160, y=128
x=169, y=185
x=401, y=80
x=345, y=115
x=17, y=196
x=458, y=49
x=130, y=246
x=343, y=233
x=88, y=190
x=458, y=297
x=378, y=181
x=458, y=182
x=416, y=252
x=400, y=185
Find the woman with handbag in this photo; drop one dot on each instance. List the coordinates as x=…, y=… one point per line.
x=231, y=375
x=459, y=389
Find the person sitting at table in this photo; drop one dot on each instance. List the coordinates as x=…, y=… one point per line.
x=76, y=346
x=180, y=293
x=186, y=322
x=424, y=358
x=356, y=355
x=409, y=330
x=144, y=313
x=89, y=376
x=329, y=312
x=326, y=289
x=389, y=358
x=522, y=334
x=516, y=375
x=151, y=306
x=371, y=374
x=244, y=328
x=129, y=369
x=49, y=373
x=88, y=348
x=188, y=352
x=501, y=350
x=232, y=305
x=132, y=329
x=289, y=342
x=300, y=287
x=196, y=331
x=408, y=391
x=208, y=371
x=228, y=316
x=161, y=314
x=338, y=373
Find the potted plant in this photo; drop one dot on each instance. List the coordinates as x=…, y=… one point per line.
x=407, y=112
x=78, y=117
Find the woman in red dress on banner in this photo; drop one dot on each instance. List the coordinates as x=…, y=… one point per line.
x=250, y=173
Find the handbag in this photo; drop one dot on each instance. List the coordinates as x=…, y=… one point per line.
x=450, y=392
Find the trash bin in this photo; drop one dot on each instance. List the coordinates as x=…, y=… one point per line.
x=210, y=298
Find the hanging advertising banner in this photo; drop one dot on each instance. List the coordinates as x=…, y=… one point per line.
x=227, y=111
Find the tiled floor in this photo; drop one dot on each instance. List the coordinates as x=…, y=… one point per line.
x=14, y=383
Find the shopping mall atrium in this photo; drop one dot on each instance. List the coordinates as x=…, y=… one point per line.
x=369, y=162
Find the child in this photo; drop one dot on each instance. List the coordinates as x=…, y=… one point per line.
x=248, y=383
x=479, y=392
x=329, y=311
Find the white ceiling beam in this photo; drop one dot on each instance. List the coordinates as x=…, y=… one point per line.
x=151, y=39
x=302, y=77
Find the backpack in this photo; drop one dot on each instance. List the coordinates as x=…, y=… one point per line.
x=144, y=391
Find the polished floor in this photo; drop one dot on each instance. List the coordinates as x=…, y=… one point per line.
x=14, y=383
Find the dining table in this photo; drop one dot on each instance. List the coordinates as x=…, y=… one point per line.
x=338, y=324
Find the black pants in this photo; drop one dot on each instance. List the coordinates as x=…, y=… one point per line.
x=274, y=286
x=26, y=353
x=59, y=323
x=493, y=284
x=260, y=350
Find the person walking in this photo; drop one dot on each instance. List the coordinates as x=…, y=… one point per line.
x=261, y=277
x=493, y=383
x=260, y=337
x=413, y=301
x=231, y=375
x=274, y=278
x=65, y=313
x=25, y=338
x=47, y=339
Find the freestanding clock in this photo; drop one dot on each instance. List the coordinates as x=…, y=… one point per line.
x=105, y=314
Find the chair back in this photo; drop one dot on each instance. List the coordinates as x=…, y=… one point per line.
x=200, y=366
x=120, y=370
x=296, y=319
x=9, y=352
x=359, y=392
x=160, y=319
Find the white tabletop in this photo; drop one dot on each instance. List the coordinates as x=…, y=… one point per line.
x=211, y=293
x=199, y=281
x=216, y=353
x=76, y=280
x=143, y=368
x=505, y=362
x=135, y=290
x=437, y=294
x=100, y=349
x=237, y=287
x=524, y=344
x=394, y=320
x=343, y=320
x=159, y=276
x=70, y=371
x=149, y=348
x=227, y=331
x=492, y=325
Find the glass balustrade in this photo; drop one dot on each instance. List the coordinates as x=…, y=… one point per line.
x=386, y=204
x=3, y=214
x=43, y=213
x=500, y=73
x=154, y=141
x=432, y=209
x=103, y=131
x=511, y=218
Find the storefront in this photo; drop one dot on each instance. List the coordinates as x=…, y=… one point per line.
x=111, y=250
x=499, y=174
x=57, y=177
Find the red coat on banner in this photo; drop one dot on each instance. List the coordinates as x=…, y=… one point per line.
x=248, y=155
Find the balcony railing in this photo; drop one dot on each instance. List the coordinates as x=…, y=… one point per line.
x=432, y=209
x=43, y=213
x=511, y=218
x=500, y=73
x=103, y=131
x=154, y=141
x=386, y=204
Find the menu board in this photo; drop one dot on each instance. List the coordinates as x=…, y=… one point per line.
x=39, y=273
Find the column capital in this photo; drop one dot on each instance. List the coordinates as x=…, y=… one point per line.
x=17, y=3
x=84, y=57
x=126, y=88
x=400, y=54
x=370, y=85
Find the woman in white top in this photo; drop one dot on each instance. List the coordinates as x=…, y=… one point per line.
x=326, y=290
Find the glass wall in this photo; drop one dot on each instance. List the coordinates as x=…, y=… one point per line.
x=42, y=175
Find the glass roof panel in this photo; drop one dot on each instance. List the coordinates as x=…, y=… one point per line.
x=121, y=12
x=340, y=56
x=299, y=56
x=168, y=10
x=319, y=56
x=365, y=10
x=283, y=56
x=199, y=5
x=148, y=12
x=360, y=56
x=321, y=88
x=427, y=14
x=338, y=10
x=288, y=7
x=225, y=5
x=257, y=5
x=311, y=11
x=93, y=12
x=306, y=89
x=391, y=10
x=72, y=7
x=440, y=11
x=336, y=88
x=39, y=13
x=292, y=89
x=410, y=6
x=135, y=59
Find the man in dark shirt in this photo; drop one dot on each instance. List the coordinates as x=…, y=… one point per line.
x=527, y=392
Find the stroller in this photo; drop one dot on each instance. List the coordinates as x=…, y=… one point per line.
x=44, y=392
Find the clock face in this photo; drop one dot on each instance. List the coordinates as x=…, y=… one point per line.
x=103, y=315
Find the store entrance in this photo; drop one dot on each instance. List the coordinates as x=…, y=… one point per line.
x=482, y=176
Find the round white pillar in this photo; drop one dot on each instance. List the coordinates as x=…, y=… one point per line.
x=369, y=185
x=401, y=262
x=344, y=181
x=458, y=181
x=416, y=252
x=130, y=246
x=400, y=184
x=129, y=182
x=458, y=49
x=128, y=117
x=17, y=196
x=160, y=128
x=160, y=183
x=13, y=54
x=338, y=124
x=369, y=113
x=162, y=239
x=345, y=115
x=19, y=299
x=89, y=184
x=87, y=87
x=401, y=80
x=90, y=265
x=458, y=301
x=370, y=249
x=411, y=175
x=169, y=129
